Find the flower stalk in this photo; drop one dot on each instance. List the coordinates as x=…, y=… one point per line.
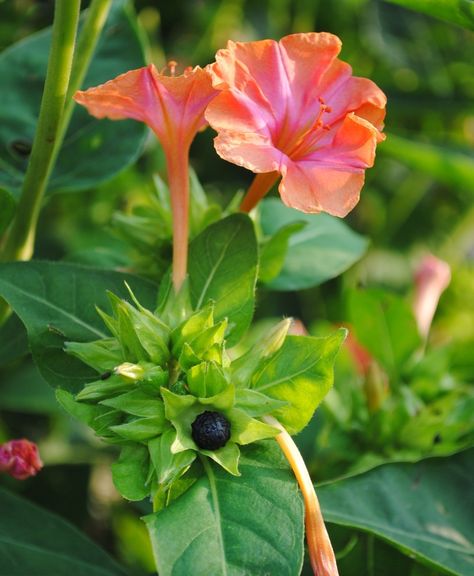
x=261, y=185
x=321, y=554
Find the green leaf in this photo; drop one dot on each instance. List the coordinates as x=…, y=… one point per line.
x=168, y=465
x=22, y=389
x=7, y=209
x=130, y=472
x=223, y=525
x=93, y=150
x=13, y=340
x=460, y=12
x=137, y=403
x=385, y=325
x=322, y=250
x=301, y=374
x=425, y=509
x=36, y=542
x=273, y=251
x=56, y=302
x=223, y=268
x=449, y=167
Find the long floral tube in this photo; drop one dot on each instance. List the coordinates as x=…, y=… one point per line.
x=323, y=560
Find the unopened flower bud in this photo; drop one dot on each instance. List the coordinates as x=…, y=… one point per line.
x=431, y=279
x=245, y=366
x=130, y=371
x=20, y=459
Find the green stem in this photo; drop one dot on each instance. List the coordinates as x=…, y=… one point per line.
x=65, y=74
x=20, y=241
x=88, y=38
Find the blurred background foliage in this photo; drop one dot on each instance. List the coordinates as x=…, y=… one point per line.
x=418, y=199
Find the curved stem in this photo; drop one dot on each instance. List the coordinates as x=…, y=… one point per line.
x=323, y=560
x=261, y=185
x=20, y=241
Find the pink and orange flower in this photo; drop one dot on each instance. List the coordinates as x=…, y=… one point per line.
x=173, y=107
x=293, y=109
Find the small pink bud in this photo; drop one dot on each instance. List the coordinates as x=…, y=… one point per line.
x=20, y=459
x=431, y=279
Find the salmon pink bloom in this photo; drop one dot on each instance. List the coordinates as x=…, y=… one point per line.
x=432, y=277
x=292, y=108
x=173, y=107
x=20, y=459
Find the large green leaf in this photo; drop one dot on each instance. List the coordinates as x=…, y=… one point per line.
x=231, y=526
x=93, y=150
x=301, y=373
x=385, y=325
x=448, y=166
x=459, y=12
x=424, y=508
x=223, y=267
x=35, y=542
x=56, y=302
x=13, y=340
x=322, y=250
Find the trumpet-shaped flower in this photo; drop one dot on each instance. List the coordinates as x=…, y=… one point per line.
x=173, y=107
x=292, y=108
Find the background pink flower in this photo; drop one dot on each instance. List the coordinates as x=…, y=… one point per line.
x=292, y=108
x=20, y=459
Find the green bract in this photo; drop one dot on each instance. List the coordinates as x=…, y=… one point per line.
x=155, y=378
x=160, y=371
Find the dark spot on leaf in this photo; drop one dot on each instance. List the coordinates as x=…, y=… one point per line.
x=106, y=375
x=21, y=148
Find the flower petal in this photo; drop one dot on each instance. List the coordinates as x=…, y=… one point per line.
x=352, y=147
x=251, y=151
x=312, y=187
x=173, y=106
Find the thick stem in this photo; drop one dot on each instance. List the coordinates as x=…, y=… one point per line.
x=96, y=15
x=20, y=241
x=177, y=162
x=321, y=554
x=261, y=185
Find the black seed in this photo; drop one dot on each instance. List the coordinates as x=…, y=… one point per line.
x=106, y=375
x=210, y=430
x=437, y=439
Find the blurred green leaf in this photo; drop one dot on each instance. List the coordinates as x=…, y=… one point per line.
x=93, y=150
x=7, y=209
x=451, y=168
x=425, y=509
x=300, y=373
x=223, y=268
x=56, y=302
x=460, y=12
x=35, y=542
x=322, y=250
x=385, y=325
x=252, y=524
x=24, y=390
